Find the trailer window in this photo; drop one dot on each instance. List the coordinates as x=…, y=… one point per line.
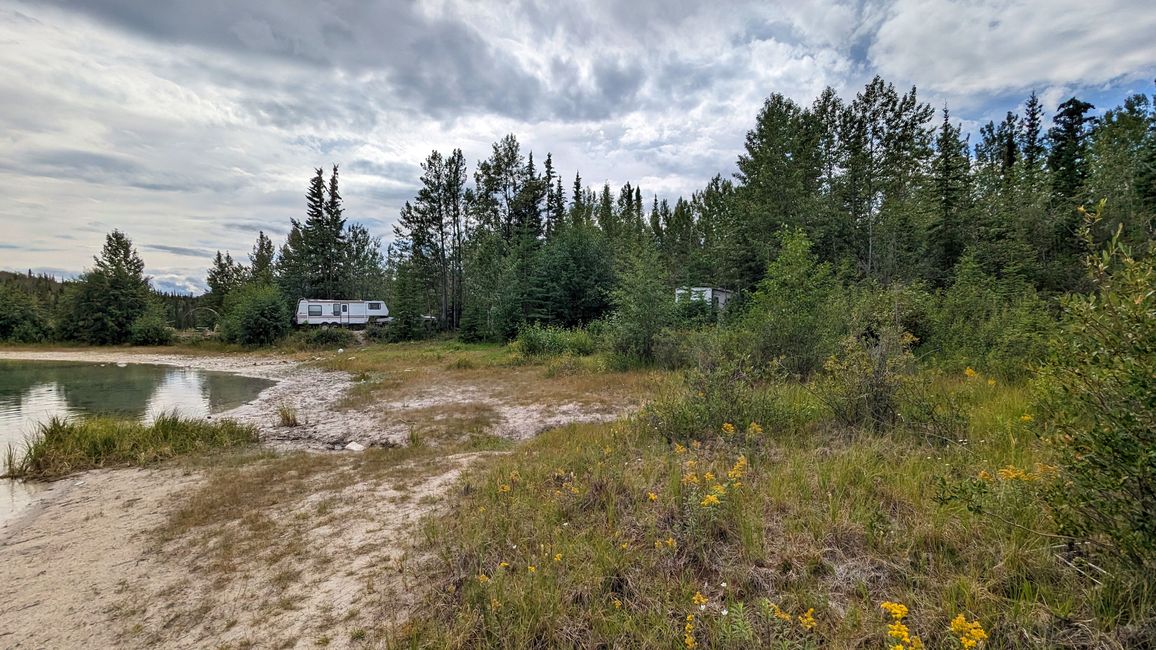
x=314, y=310
x=336, y=310
x=344, y=308
x=375, y=306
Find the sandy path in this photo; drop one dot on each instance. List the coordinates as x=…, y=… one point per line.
x=63, y=562
x=321, y=562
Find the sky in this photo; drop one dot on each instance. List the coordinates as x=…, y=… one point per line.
x=192, y=125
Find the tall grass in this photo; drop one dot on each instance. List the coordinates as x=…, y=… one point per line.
x=63, y=446
x=605, y=535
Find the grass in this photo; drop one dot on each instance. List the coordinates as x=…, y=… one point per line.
x=287, y=415
x=63, y=446
x=604, y=535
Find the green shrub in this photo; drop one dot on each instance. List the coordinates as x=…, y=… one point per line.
x=643, y=306
x=799, y=312
x=997, y=325
x=539, y=340
x=255, y=315
x=151, y=328
x=1098, y=407
x=861, y=384
x=331, y=337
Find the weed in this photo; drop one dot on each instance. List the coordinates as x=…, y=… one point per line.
x=287, y=415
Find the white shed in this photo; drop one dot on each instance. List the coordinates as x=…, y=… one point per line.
x=713, y=296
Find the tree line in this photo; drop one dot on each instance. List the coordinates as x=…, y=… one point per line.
x=887, y=193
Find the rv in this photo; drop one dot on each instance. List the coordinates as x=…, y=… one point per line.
x=340, y=312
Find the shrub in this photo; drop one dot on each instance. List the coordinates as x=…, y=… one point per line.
x=998, y=325
x=151, y=328
x=1097, y=404
x=538, y=340
x=332, y=337
x=861, y=383
x=799, y=311
x=255, y=315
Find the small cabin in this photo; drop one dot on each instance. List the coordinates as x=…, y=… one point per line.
x=340, y=312
x=713, y=296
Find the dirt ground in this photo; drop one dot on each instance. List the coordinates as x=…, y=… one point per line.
x=289, y=548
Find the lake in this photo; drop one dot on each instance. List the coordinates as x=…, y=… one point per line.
x=31, y=392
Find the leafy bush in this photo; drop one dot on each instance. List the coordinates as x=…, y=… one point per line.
x=1098, y=407
x=861, y=384
x=255, y=315
x=333, y=337
x=998, y=325
x=799, y=311
x=151, y=329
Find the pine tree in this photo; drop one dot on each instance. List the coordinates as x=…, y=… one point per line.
x=261, y=260
x=947, y=235
x=1068, y=160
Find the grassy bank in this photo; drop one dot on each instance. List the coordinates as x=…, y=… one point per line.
x=63, y=446
x=787, y=532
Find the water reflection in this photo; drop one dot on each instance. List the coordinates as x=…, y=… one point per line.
x=33, y=392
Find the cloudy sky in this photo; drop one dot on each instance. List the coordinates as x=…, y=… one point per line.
x=192, y=125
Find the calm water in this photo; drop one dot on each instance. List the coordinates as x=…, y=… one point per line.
x=33, y=391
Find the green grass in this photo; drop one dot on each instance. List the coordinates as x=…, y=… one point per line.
x=560, y=544
x=63, y=446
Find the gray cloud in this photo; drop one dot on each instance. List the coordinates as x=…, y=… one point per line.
x=192, y=125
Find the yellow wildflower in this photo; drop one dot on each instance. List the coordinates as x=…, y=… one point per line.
x=896, y=610
x=503, y=565
x=690, y=479
x=970, y=372
x=807, y=620
x=754, y=429
x=557, y=557
x=984, y=475
x=617, y=604
x=671, y=543
x=625, y=545
x=495, y=604
x=652, y=496
x=695, y=444
x=515, y=476
x=728, y=428
x=679, y=449
x=504, y=487
x=739, y=469
x=699, y=599
x=1026, y=417
x=708, y=477
x=710, y=500
x=899, y=631
x=483, y=578
x=990, y=382
x=690, y=464
x=688, y=637
x=532, y=569
x=970, y=633
x=780, y=614
x=718, y=489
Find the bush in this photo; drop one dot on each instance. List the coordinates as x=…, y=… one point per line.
x=998, y=325
x=861, y=384
x=1097, y=407
x=538, y=340
x=643, y=306
x=332, y=337
x=151, y=329
x=799, y=311
x=255, y=315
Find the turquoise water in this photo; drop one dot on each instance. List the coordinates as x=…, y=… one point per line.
x=31, y=392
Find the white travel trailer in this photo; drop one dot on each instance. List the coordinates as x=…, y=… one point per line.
x=340, y=312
